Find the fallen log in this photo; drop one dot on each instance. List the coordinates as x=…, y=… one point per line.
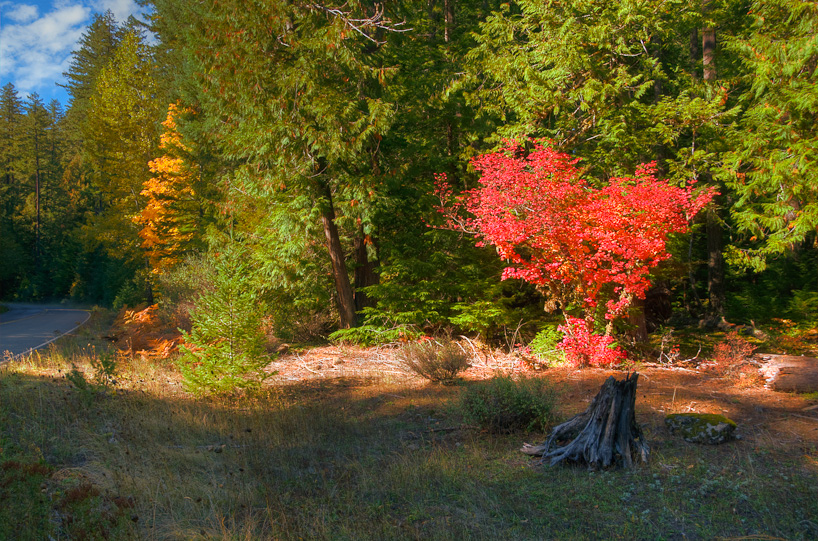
x=789, y=373
x=604, y=434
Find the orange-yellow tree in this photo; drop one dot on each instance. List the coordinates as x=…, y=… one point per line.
x=171, y=217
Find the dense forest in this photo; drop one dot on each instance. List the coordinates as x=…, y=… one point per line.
x=283, y=155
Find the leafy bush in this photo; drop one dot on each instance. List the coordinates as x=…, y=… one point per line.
x=373, y=335
x=504, y=404
x=545, y=346
x=536, y=208
x=435, y=361
x=225, y=349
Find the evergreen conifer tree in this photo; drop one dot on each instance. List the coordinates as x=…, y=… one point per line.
x=773, y=169
x=225, y=348
x=292, y=97
x=14, y=258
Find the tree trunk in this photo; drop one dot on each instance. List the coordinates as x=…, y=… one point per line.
x=709, y=54
x=430, y=10
x=448, y=8
x=692, y=277
x=603, y=434
x=715, y=264
x=715, y=260
x=37, y=198
x=345, y=299
x=694, y=52
x=638, y=319
x=365, y=274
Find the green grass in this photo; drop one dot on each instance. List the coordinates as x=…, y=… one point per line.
x=4, y=308
x=348, y=459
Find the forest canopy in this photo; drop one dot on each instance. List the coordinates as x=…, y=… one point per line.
x=305, y=140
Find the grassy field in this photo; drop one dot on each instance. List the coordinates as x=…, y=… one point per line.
x=366, y=458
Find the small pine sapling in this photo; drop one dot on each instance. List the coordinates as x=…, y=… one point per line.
x=225, y=348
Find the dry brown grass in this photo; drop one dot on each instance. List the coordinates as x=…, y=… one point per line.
x=361, y=449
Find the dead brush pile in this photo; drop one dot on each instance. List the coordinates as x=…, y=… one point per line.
x=141, y=331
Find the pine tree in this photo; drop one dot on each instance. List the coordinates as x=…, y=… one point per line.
x=11, y=114
x=429, y=276
x=36, y=128
x=96, y=48
x=120, y=137
x=291, y=96
x=608, y=82
x=14, y=259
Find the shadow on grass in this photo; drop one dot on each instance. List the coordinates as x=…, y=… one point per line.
x=360, y=459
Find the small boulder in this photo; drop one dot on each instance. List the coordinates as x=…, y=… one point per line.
x=708, y=428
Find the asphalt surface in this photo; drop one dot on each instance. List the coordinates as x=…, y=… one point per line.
x=26, y=327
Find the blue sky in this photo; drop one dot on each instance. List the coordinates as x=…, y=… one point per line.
x=38, y=36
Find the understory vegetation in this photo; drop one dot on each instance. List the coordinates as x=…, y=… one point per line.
x=370, y=174
x=362, y=458
x=572, y=187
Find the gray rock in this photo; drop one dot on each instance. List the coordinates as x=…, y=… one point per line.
x=707, y=428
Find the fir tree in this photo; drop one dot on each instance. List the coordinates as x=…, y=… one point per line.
x=36, y=126
x=291, y=96
x=96, y=48
x=225, y=349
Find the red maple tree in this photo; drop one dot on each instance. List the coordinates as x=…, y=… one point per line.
x=592, y=245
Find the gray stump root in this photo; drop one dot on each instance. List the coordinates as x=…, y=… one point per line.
x=603, y=434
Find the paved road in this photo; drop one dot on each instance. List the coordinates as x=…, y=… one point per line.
x=27, y=327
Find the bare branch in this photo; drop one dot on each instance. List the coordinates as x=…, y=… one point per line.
x=360, y=25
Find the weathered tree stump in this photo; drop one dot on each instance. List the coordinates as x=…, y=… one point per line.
x=603, y=434
x=789, y=373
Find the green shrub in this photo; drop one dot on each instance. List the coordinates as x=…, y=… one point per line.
x=505, y=404
x=87, y=390
x=373, y=335
x=104, y=367
x=803, y=305
x=544, y=346
x=438, y=361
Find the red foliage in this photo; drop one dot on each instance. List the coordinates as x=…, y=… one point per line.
x=557, y=230
x=730, y=354
x=583, y=348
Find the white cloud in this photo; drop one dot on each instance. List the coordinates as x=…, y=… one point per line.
x=120, y=8
x=32, y=53
x=36, y=44
x=21, y=13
